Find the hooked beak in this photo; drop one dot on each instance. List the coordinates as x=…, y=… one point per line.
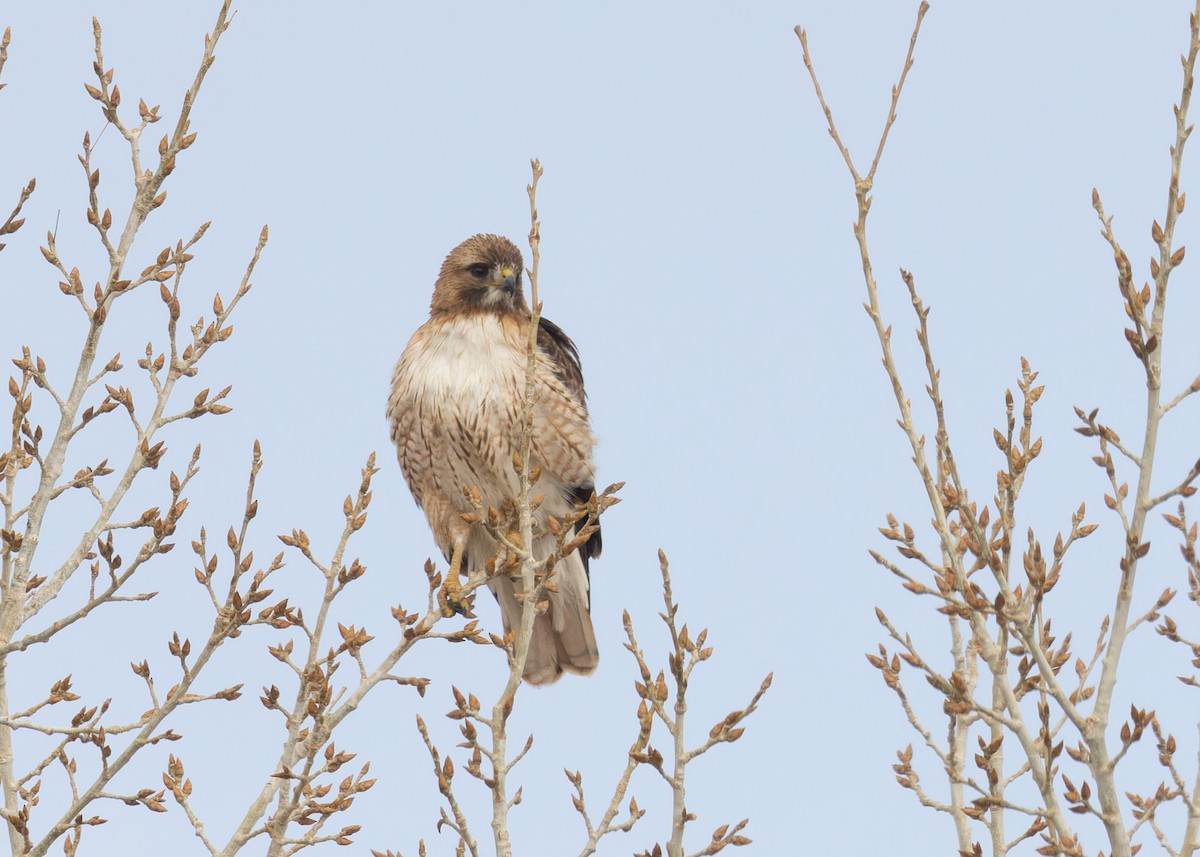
x=504, y=277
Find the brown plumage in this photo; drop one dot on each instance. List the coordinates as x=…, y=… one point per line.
x=456, y=415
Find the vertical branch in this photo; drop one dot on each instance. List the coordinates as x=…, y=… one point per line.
x=1031, y=677
x=1151, y=357
x=685, y=654
x=862, y=188
x=891, y=117
x=24, y=594
x=8, y=779
x=532, y=587
x=535, y=233
x=945, y=496
x=148, y=185
x=995, y=758
x=960, y=733
x=679, y=813
x=1168, y=260
x=18, y=575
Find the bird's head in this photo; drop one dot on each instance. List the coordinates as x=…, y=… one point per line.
x=482, y=274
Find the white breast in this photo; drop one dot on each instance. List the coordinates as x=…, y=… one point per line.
x=467, y=361
x=456, y=414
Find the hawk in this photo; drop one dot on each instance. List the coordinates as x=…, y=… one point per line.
x=457, y=411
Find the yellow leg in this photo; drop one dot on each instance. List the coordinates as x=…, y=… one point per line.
x=450, y=595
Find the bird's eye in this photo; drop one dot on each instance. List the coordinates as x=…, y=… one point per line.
x=478, y=269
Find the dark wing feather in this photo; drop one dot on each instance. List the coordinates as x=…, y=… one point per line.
x=565, y=357
x=580, y=494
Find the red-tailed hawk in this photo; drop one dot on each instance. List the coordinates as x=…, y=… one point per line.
x=456, y=412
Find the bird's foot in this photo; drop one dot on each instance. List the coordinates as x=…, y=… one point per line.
x=450, y=596
x=451, y=600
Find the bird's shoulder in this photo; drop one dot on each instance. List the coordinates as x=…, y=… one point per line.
x=564, y=358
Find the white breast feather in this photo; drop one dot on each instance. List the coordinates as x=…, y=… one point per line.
x=466, y=362
x=466, y=371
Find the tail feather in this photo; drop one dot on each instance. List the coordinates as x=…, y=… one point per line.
x=563, y=637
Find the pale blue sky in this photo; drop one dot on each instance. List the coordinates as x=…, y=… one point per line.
x=697, y=247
